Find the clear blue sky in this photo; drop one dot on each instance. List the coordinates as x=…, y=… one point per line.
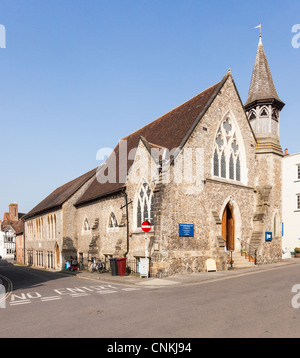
x=78, y=75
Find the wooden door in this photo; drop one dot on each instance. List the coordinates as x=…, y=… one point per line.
x=228, y=227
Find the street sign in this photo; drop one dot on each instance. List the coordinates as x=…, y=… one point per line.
x=146, y=226
x=186, y=230
x=268, y=236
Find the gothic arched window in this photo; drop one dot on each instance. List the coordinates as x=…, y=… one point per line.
x=223, y=165
x=144, y=205
x=112, y=221
x=86, y=225
x=216, y=163
x=226, y=156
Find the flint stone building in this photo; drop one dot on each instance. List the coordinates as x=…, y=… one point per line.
x=212, y=163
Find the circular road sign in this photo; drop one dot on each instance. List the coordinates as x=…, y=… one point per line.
x=146, y=226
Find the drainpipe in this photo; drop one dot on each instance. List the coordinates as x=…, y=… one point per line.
x=127, y=221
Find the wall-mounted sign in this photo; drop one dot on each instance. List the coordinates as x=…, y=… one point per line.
x=186, y=230
x=268, y=236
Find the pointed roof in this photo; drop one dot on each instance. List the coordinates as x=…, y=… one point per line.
x=262, y=87
x=169, y=131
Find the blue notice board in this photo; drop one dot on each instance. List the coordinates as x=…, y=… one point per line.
x=186, y=230
x=268, y=236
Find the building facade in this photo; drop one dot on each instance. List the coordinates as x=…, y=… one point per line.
x=291, y=202
x=207, y=175
x=50, y=238
x=10, y=225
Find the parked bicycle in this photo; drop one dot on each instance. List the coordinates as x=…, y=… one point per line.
x=97, y=266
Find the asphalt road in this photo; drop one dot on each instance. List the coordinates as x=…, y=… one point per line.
x=45, y=304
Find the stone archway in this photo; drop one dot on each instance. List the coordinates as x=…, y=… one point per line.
x=231, y=207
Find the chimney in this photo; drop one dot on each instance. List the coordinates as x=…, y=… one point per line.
x=13, y=212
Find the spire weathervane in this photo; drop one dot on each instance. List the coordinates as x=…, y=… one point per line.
x=259, y=26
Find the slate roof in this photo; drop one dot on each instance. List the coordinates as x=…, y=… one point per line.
x=60, y=195
x=262, y=86
x=169, y=131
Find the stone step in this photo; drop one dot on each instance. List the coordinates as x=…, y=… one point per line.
x=240, y=261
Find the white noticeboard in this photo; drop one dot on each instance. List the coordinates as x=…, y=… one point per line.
x=210, y=265
x=144, y=267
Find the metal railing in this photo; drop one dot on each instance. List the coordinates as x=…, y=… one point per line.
x=249, y=251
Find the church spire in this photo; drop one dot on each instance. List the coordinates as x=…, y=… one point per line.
x=263, y=105
x=262, y=88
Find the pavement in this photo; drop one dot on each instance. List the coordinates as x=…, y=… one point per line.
x=184, y=279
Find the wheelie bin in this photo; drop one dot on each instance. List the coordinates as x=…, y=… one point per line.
x=113, y=267
x=121, y=266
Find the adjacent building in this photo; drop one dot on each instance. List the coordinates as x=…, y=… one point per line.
x=10, y=226
x=290, y=202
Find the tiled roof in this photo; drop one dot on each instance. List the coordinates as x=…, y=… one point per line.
x=60, y=195
x=169, y=131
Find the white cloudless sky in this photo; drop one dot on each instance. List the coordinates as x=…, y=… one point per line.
x=78, y=75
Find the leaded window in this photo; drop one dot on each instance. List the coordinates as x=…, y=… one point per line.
x=231, y=167
x=113, y=221
x=144, y=205
x=226, y=155
x=223, y=165
x=238, y=169
x=216, y=163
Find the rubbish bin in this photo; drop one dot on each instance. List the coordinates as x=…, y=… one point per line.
x=121, y=266
x=113, y=267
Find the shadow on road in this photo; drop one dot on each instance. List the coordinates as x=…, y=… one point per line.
x=27, y=277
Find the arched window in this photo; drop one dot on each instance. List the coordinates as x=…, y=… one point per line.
x=113, y=221
x=238, y=169
x=264, y=112
x=223, y=165
x=54, y=226
x=226, y=157
x=86, y=225
x=216, y=163
x=144, y=205
x=231, y=167
x=252, y=115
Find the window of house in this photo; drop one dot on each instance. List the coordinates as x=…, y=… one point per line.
x=298, y=171
x=144, y=205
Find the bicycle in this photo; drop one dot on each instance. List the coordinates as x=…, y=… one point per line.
x=97, y=266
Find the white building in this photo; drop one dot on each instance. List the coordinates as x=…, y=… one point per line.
x=291, y=202
x=8, y=243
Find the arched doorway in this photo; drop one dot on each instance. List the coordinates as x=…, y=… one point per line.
x=228, y=227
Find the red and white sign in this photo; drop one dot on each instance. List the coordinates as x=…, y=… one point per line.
x=146, y=226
